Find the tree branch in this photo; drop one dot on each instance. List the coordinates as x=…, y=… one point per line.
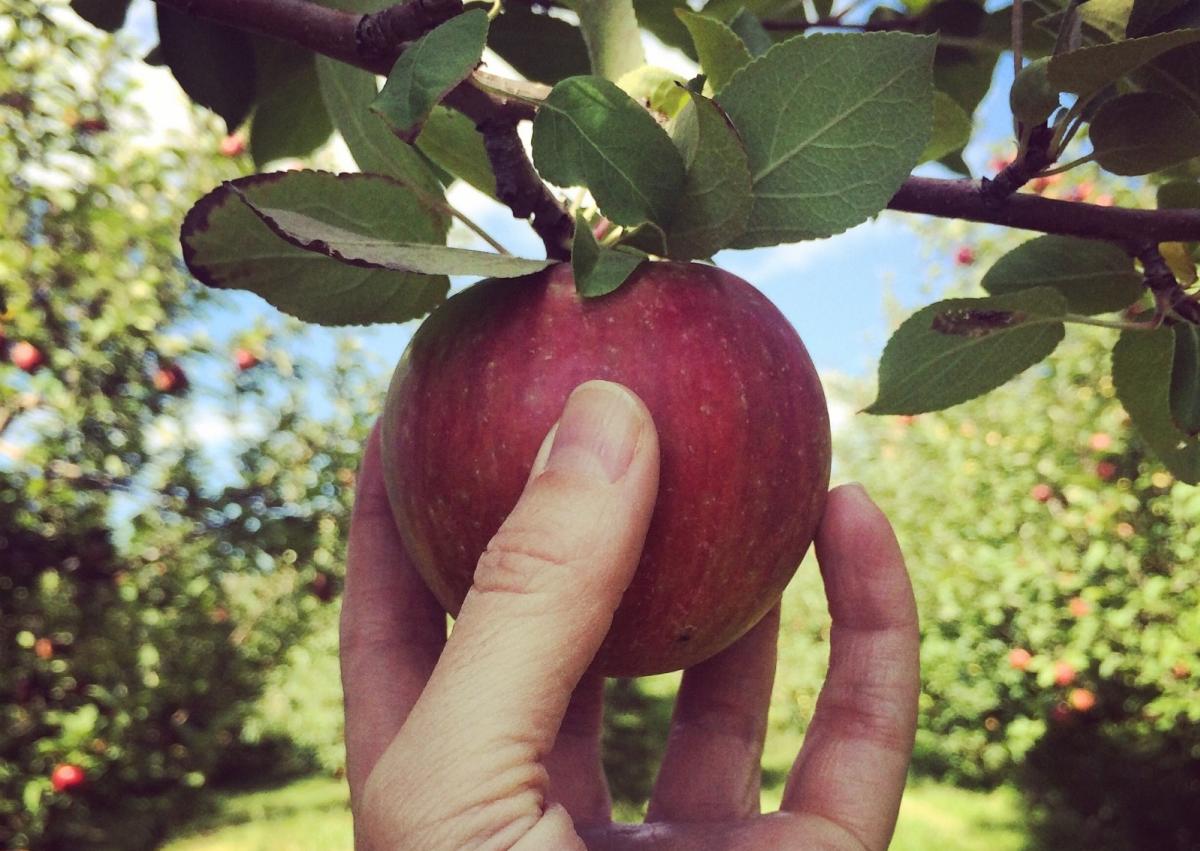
x=374, y=42
x=964, y=199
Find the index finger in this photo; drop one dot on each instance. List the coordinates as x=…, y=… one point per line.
x=392, y=628
x=854, y=762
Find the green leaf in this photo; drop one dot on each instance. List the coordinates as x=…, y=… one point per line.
x=658, y=88
x=597, y=270
x=659, y=17
x=347, y=93
x=433, y=65
x=955, y=350
x=1141, y=132
x=720, y=49
x=1032, y=97
x=227, y=245
x=1092, y=68
x=752, y=33
x=1179, y=195
x=290, y=119
x=1185, y=379
x=214, y=65
x=1093, y=276
x=1146, y=12
x=715, y=202
x=832, y=124
x=318, y=235
x=539, y=47
x=450, y=139
x=1142, y=367
x=951, y=128
x=590, y=133
x=108, y=15
x=1177, y=73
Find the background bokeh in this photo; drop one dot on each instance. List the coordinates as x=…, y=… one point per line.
x=173, y=518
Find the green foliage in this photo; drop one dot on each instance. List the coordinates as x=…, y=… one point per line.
x=598, y=270
x=144, y=596
x=1094, y=277
x=434, y=64
x=1141, y=132
x=804, y=110
x=721, y=51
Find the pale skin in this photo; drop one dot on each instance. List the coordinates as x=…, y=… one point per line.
x=490, y=739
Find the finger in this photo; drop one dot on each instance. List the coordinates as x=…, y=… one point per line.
x=712, y=768
x=392, y=629
x=574, y=764
x=469, y=761
x=852, y=767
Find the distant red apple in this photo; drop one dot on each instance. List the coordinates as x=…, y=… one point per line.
x=1105, y=200
x=1019, y=658
x=245, y=359
x=233, y=145
x=170, y=378
x=1064, y=673
x=25, y=355
x=1042, y=492
x=322, y=587
x=1080, y=192
x=1061, y=714
x=66, y=777
x=43, y=648
x=742, y=424
x=92, y=125
x=1081, y=699
x=906, y=419
x=1106, y=470
x=1079, y=607
x=965, y=256
x=1100, y=441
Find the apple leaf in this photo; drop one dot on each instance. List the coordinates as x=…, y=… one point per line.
x=347, y=93
x=753, y=34
x=108, y=15
x=599, y=270
x=1090, y=69
x=1179, y=194
x=955, y=350
x=214, y=65
x=1032, y=97
x=433, y=65
x=1142, y=371
x=1093, y=276
x=661, y=89
x=658, y=16
x=1146, y=12
x=590, y=133
x=1141, y=132
x=290, y=119
x=715, y=202
x=721, y=50
x=1176, y=72
x=539, y=47
x=227, y=245
x=1185, y=379
x=951, y=128
x=812, y=113
x=450, y=139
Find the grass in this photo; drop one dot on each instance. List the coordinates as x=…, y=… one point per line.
x=312, y=815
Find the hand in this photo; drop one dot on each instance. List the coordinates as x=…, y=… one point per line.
x=491, y=739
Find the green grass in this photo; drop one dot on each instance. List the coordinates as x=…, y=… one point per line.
x=312, y=815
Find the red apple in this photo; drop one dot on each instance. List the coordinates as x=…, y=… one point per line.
x=1081, y=699
x=1064, y=673
x=233, y=145
x=742, y=424
x=25, y=355
x=170, y=378
x=245, y=359
x=1019, y=658
x=965, y=256
x=1106, y=470
x=66, y=777
x=1042, y=492
x=1079, y=607
x=1100, y=441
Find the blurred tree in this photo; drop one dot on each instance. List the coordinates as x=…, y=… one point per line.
x=144, y=591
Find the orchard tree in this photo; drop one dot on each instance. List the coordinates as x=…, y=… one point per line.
x=144, y=597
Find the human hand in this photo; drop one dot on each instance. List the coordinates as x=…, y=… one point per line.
x=491, y=739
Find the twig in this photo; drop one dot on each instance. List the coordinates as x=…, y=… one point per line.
x=1160, y=280
x=374, y=42
x=964, y=199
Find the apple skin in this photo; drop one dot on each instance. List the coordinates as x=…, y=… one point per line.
x=245, y=359
x=26, y=356
x=66, y=777
x=743, y=433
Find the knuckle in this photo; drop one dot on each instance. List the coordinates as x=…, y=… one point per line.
x=521, y=563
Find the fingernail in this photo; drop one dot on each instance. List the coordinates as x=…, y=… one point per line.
x=597, y=433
